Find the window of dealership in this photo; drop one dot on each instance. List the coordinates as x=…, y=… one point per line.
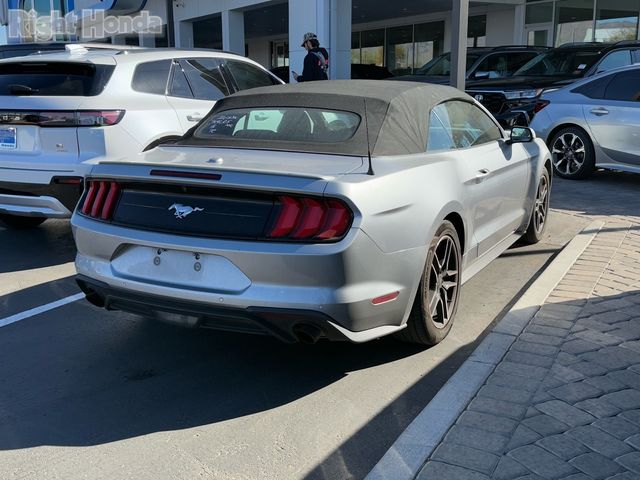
x=558, y=22
x=404, y=48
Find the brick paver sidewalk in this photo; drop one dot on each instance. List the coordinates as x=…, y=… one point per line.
x=564, y=402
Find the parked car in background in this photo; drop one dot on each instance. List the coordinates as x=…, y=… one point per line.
x=508, y=98
x=60, y=112
x=482, y=63
x=593, y=123
x=346, y=210
x=359, y=71
x=24, y=49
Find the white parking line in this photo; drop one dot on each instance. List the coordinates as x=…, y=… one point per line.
x=41, y=309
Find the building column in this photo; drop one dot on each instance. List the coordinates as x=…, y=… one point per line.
x=184, y=34
x=340, y=52
x=233, y=31
x=459, y=32
x=147, y=40
x=330, y=20
x=519, y=37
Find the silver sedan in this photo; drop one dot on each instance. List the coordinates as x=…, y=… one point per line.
x=593, y=123
x=345, y=210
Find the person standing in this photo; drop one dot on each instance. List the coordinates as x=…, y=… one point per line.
x=316, y=62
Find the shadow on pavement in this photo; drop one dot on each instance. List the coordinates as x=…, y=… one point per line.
x=49, y=244
x=77, y=377
x=581, y=196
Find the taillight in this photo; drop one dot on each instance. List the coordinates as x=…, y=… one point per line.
x=63, y=118
x=99, y=118
x=307, y=218
x=101, y=199
x=540, y=104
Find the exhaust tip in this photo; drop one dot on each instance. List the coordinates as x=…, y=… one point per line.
x=93, y=297
x=307, y=333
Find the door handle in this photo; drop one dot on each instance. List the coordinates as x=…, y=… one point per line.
x=482, y=174
x=600, y=111
x=194, y=117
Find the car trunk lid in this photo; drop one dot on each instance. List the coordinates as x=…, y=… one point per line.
x=264, y=162
x=222, y=193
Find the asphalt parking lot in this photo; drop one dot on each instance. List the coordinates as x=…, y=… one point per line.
x=91, y=394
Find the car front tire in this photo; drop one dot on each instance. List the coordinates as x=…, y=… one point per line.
x=540, y=214
x=21, y=223
x=436, y=301
x=572, y=154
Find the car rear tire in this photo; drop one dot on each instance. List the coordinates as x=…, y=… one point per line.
x=572, y=154
x=436, y=302
x=21, y=223
x=540, y=214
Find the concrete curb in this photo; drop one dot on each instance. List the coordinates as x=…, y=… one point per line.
x=411, y=450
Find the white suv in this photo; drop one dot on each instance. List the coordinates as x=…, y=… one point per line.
x=62, y=112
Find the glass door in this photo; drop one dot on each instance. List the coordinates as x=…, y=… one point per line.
x=279, y=54
x=540, y=35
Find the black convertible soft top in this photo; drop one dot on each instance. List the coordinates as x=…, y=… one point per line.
x=395, y=115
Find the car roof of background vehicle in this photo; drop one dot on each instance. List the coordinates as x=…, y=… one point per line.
x=33, y=46
x=599, y=46
x=593, y=78
x=395, y=115
x=111, y=54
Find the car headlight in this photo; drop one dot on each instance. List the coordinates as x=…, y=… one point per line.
x=521, y=94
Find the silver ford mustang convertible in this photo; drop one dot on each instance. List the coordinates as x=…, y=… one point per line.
x=345, y=210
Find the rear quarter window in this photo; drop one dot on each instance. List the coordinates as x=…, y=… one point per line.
x=63, y=79
x=624, y=87
x=594, y=89
x=249, y=76
x=152, y=77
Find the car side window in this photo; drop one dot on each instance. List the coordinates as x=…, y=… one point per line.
x=179, y=84
x=469, y=125
x=618, y=58
x=205, y=78
x=152, y=77
x=625, y=86
x=493, y=66
x=249, y=76
x=501, y=65
x=519, y=59
x=594, y=89
x=439, y=137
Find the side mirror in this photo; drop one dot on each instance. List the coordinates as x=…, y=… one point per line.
x=521, y=135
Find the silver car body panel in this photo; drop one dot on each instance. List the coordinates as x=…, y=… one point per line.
x=613, y=126
x=490, y=188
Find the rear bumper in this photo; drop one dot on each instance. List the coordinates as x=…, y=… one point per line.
x=53, y=200
x=289, y=325
x=332, y=285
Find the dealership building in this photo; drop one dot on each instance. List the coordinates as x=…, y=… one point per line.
x=399, y=35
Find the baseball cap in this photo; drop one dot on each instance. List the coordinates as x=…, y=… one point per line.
x=308, y=36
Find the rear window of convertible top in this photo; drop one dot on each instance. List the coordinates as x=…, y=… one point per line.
x=286, y=124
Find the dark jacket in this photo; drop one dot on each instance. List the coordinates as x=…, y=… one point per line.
x=315, y=66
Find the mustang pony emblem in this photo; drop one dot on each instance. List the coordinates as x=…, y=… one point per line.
x=182, y=211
